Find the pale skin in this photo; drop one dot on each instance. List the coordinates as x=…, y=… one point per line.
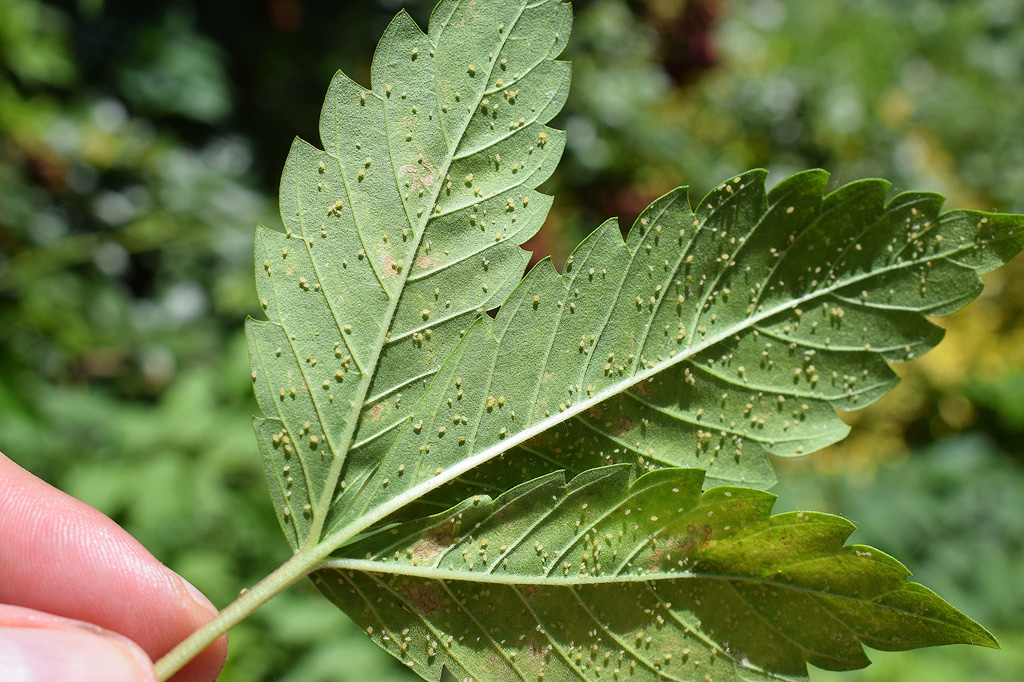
x=81, y=600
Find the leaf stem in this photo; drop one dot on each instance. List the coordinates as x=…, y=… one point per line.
x=285, y=575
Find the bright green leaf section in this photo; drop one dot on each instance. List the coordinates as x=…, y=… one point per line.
x=646, y=579
x=399, y=234
x=708, y=338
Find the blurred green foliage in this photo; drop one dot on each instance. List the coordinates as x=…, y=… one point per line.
x=141, y=142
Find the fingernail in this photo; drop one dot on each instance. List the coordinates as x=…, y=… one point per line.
x=197, y=596
x=43, y=655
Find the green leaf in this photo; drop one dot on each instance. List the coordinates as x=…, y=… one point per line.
x=638, y=579
x=707, y=339
x=704, y=340
x=400, y=234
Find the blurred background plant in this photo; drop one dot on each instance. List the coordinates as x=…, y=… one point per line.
x=141, y=142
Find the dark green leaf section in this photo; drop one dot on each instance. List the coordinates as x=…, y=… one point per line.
x=646, y=579
x=708, y=338
x=399, y=234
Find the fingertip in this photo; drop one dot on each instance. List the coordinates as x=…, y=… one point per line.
x=210, y=661
x=201, y=600
x=44, y=655
x=74, y=550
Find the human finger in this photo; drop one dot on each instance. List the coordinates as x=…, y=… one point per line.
x=41, y=647
x=59, y=555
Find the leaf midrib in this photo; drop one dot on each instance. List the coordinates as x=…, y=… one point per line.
x=431, y=573
x=329, y=490
x=471, y=462
x=436, y=573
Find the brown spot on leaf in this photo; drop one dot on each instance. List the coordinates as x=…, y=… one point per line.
x=704, y=541
x=422, y=596
x=376, y=411
x=431, y=545
x=420, y=179
x=625, y=424
x=428, y=174
x=425, y=262
x=666, y=554
x=534, y=440
x=707, y=537
x=391, y=268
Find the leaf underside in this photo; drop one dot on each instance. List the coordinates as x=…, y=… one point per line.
x=705, y=339
x=401, y=233
x=426, y=444
x=647, y=577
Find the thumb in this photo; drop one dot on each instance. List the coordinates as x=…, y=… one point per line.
x=37, y=647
